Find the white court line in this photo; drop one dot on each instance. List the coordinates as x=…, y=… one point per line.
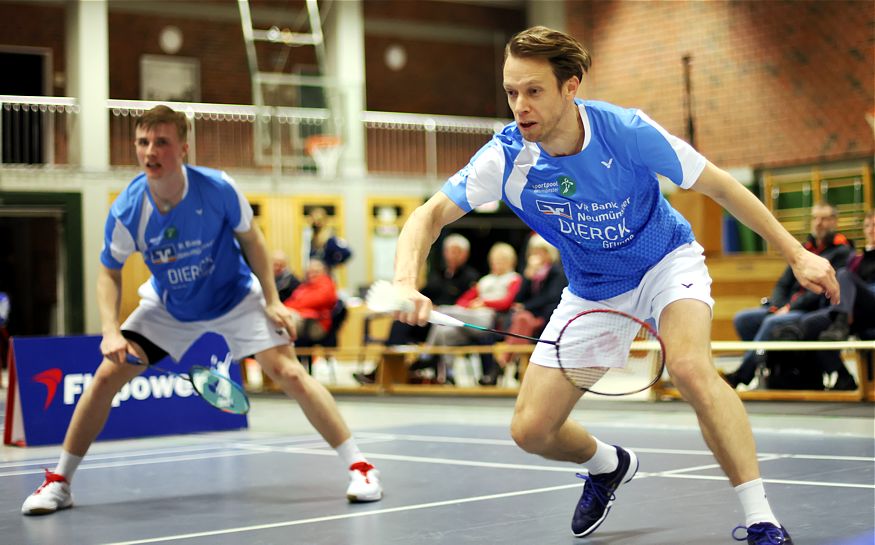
x=671, y=472
x=153, y=452
x=405, y=458
x=130, y=463
x=320, y=448
x=112, y=456
x=678, y=473
x=437, y=439
x=767, y=481
x=347, y=515
x=215, y=451
x=509, y=442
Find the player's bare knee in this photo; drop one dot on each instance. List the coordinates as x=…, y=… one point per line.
x=293, y=376
x=687, y=370
x=108, y=379
x=528, y=435
x=694, y=379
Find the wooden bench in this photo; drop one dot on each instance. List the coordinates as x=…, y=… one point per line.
x=394, y=361
x=392, y=374
x=863, y=355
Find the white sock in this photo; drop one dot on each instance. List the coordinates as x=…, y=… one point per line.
x=67, y=465
x=604, y=460
x=753, y=499
x=349, y=452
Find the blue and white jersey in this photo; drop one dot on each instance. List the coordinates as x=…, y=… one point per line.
x=602, y=207
x=196, y=263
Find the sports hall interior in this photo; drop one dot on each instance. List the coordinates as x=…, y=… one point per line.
x=364, y=108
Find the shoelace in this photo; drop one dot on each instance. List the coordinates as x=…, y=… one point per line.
x=51, y=478
x=762, y=534
x=594, y=491
x=363, y=468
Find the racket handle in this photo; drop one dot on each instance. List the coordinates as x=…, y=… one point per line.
x=132, y=359
x=439, y=318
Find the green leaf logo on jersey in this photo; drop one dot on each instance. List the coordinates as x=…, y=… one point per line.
x=170, y=233
x=567, y=186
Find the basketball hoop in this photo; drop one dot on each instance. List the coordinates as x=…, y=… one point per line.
x=325, y=151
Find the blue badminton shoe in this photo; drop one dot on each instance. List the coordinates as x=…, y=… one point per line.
x=764, y=533
x=598, y=493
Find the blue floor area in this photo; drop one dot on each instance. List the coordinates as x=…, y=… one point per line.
x=445, y=484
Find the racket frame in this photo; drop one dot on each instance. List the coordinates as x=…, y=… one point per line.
x=133, y=360
x=657, y=372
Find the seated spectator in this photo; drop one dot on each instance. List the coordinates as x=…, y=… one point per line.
x=444, y=286
x=282, y=276
x=493, y=293
x=856, y=311
x=311, y=304
x=789, y=300
x=854, y=314
x=540, y=292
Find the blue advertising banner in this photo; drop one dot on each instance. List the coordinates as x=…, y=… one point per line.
x=53, y=372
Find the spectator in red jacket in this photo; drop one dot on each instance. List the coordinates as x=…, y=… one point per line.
x=312, y=303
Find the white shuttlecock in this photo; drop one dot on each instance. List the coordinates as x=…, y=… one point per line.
x=384, y=297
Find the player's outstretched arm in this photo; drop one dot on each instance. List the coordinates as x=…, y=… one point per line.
x=255, y=249
x=420, y=231
x=109, y=296
x=813, y=272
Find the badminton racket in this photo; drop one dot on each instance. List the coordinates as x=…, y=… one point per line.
x=216, y=389
x=601, y=351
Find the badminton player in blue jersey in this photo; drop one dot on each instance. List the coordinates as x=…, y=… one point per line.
x=583, y=175
x=193, y=226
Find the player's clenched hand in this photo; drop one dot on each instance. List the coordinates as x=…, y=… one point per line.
x=282, y=317
x=415, y=308
x=114, y=347
x=816, y=274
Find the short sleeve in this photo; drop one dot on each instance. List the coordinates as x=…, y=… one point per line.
x=666, y=154
x=480, y=181
x=118, y=243
x=237, y=206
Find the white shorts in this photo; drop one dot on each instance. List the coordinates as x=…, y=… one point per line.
x=246, y=328
x=682, y=274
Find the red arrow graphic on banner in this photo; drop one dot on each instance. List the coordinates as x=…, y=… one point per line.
x=50, y=378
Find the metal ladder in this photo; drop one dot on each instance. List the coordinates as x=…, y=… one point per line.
x=268, y=136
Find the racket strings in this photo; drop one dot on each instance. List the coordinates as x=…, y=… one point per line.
x=219, y=391
x=585, y=377
x=608, y=352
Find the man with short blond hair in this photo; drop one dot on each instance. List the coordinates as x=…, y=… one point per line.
x=192, y=226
